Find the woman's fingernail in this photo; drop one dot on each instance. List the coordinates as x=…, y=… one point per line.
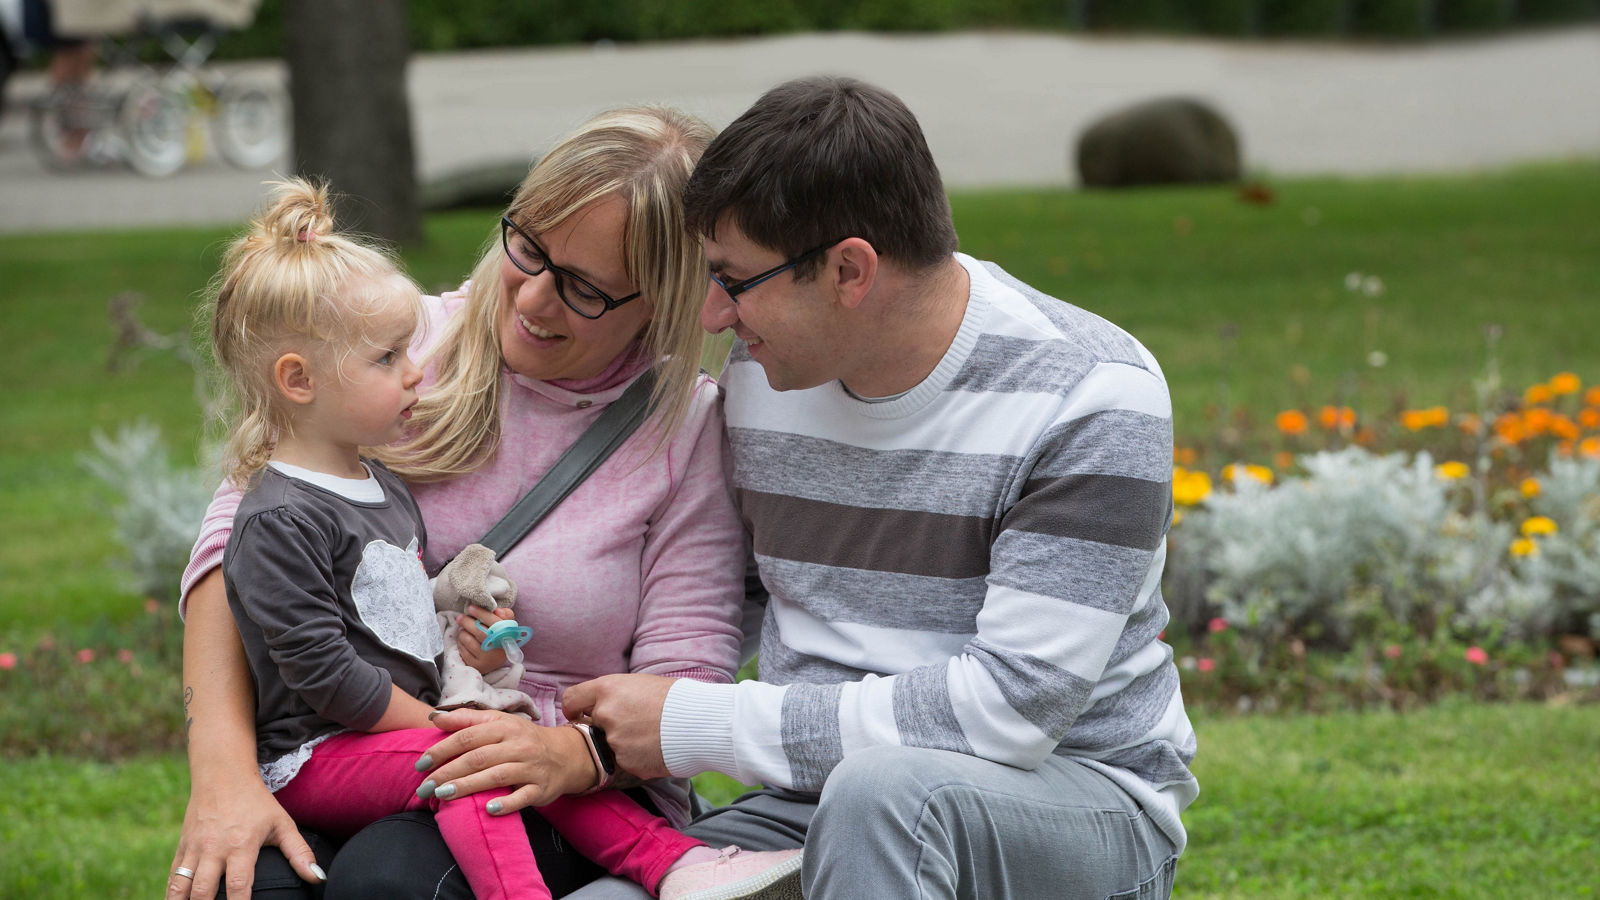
x=425, y=763
x=444, y=793
x=494, y=807
x=426, y=789
x=317, y=871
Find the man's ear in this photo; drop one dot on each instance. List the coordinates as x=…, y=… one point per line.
x=854, y=267
x=291, y=375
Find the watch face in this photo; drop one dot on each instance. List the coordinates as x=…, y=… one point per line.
x=608, y=760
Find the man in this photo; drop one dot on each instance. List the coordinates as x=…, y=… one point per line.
x=958, y=491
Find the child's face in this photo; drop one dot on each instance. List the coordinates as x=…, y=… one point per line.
x=368, y=400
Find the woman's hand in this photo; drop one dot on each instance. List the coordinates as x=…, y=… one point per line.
x=470, y=640
x=493, y=749
x=231, y=814
x=223, y=831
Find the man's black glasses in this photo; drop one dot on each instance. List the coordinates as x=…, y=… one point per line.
x=734, y=289
x=584, y=298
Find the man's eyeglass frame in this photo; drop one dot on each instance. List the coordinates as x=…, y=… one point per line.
x=736, y=288
x=507, y=226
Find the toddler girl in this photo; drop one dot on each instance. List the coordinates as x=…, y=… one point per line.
x=325, y=580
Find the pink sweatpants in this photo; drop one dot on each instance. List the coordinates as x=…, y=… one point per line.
x=354, y=779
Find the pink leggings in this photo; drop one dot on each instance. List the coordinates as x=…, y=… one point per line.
x=354, y=779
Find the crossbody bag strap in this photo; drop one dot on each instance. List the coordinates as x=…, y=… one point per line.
x=598, y=441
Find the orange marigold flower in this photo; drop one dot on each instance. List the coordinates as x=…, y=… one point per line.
x=1283, y=459
x=1538, y=394
x=1589, y=418
x=1589, y=447
x=1509, y=428
x=1537, y=421
x=1331, y=417
x=1470, y=424
x=1529, y=487
x=1454, y=470
x=1591, y=397
x=1184, y=456
x=1365, y=437
x=1414, y=419
x=1292, y=422
x=1564, y=428
x=1565, y=383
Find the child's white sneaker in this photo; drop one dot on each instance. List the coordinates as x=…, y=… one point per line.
x=770, y=875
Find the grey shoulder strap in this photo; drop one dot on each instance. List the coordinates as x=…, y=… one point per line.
x=599, y=441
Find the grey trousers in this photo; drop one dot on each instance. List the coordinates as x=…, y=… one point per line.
x=897, y=823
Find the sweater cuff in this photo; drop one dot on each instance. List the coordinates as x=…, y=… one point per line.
x=697, y=729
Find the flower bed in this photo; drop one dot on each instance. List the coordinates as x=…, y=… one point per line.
x=1394, y=560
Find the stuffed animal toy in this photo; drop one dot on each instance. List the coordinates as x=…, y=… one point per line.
x=474, y=578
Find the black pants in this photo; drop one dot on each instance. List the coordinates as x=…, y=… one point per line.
x=405, y=858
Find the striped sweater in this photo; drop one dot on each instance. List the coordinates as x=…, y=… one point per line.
x=972, y=566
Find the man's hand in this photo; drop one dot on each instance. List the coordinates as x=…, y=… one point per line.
x=628, y=707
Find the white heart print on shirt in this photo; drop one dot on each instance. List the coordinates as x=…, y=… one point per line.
x=391, y=593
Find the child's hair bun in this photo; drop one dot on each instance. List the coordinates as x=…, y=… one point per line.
x=299, y=212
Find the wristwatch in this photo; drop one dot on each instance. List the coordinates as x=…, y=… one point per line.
x=605, y=762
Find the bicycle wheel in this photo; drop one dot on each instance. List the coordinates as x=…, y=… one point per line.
x=155, y=124
x=249, y=125
x=61, y=124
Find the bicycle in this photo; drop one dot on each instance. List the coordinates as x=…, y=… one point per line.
x=158, y=122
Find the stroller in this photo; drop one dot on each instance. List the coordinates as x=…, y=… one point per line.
x=157, y=117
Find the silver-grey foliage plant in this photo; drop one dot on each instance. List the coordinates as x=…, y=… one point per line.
x=157, y=506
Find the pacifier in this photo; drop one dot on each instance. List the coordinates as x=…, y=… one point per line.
x=504, y=633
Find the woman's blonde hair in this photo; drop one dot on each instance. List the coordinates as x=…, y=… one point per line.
x=642, y=154
x=286, y=284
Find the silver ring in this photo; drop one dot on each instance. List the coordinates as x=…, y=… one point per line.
x=181, y=872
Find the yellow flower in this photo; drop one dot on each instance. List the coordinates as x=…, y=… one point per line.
x=1529, y=487
x=1177, y=516
x=1565, y=383
x=1259, y=473
x=1524, y=547
x=1534, y=526
x=1454, y=470
x=1189, y=488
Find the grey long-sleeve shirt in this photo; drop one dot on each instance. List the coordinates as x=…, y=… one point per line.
x=332, y=602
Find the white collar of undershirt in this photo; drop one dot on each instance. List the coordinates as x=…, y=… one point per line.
x=360, y=490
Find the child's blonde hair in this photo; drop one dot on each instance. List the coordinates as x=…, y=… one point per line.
x=642, y=154
x=288, y=284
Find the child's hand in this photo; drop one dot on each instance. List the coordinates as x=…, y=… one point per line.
x=470, y=639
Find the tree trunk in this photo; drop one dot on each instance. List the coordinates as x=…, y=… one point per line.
x=352, y=118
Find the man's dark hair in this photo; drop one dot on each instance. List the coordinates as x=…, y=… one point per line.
x=822, y=159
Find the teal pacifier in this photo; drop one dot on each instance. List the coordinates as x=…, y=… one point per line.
x=504, y=632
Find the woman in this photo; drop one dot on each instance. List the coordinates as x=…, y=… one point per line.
x=590, y=281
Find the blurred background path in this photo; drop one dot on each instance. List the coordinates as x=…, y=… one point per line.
x=999, y=109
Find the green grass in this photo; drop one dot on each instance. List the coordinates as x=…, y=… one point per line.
x=1456, y=801
x=1233, y=298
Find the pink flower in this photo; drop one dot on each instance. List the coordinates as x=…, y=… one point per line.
x=1393, y=651
x=125, y=656
x=1477, y=656
x=8, y=660
x=1217, y=625
x=1206, y=664
x=86, y=655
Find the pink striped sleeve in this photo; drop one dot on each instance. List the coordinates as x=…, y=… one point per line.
x=208, y=547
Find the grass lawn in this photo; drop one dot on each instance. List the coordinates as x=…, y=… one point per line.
x=1455, y=801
